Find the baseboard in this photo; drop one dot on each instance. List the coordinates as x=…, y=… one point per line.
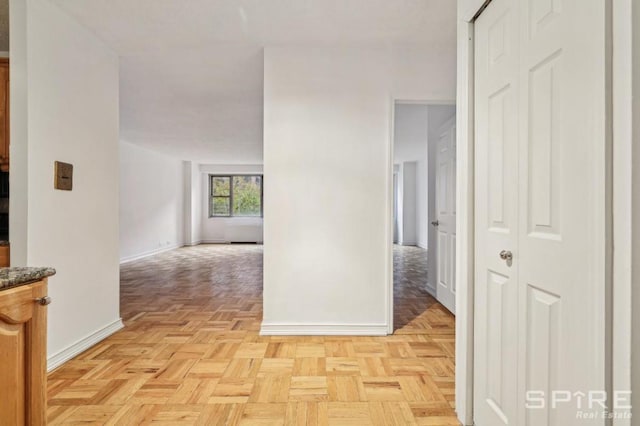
x=229, y=242
x=149, y=253
x=56, y=360
x=324, y=329
x=195, y=243
x=422, y=246
x=408, y=243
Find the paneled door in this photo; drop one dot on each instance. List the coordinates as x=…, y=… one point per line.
x=446, y=216
x=496, y=221
x=541, y=212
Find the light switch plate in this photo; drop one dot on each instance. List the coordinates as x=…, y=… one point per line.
x=63, y=177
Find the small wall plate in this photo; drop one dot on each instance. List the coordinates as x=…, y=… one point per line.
x=63, y=176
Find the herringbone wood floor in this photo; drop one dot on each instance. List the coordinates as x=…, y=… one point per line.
x=191, y=354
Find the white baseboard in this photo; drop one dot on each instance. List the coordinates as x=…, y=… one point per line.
x=56, y=360
x=422, y=246
x=408, y=243
x=195, y=243
x=324, y=329
x=229, y=242
x=149, y=253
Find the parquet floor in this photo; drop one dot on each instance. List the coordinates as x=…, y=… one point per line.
x=191, y=354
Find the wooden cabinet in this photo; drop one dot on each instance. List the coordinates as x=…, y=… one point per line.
x=5, y=255
x=4, y=114
x=23, y=330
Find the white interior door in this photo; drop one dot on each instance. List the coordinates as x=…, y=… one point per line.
x=446, y=216
x=540, y=200
x=496, y=295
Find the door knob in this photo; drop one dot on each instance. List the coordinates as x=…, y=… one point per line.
x=435, y=223
x=44, y=301
x=506, y=255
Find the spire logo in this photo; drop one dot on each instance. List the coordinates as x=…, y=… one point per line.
x=593, y=404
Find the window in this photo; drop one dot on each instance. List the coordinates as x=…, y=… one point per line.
x=239, y=195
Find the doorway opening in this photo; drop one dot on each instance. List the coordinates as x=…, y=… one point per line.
x=424, y=188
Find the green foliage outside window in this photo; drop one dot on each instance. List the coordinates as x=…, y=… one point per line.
x=236, y=196
x=247, y=196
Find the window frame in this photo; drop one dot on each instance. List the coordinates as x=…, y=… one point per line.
x=230, y=196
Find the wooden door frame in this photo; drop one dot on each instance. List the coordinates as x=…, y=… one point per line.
x=623, y=204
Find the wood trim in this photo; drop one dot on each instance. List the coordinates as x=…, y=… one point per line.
x=5, y=256
x=37, y=347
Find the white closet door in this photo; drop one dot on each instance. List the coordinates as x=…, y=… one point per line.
x=562, y=245
x=496, y=286
x=541, y=186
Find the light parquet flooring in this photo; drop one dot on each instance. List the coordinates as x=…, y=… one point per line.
x=191, y=354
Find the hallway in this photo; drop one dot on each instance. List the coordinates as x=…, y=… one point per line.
x=410, y=296
x=190, y=353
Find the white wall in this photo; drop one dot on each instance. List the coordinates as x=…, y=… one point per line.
x=327, y=140
x=192, y=204
x=410, y=144
x=65, y=92
x=152, y=202
x=409, y=205
x=228, y=229
x=19, y=149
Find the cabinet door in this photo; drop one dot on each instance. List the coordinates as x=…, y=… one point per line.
x=22, y=355
x=5, y=255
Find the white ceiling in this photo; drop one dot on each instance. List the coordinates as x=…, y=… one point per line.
x=191, y=71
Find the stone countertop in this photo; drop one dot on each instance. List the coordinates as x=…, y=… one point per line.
x=14, y=277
